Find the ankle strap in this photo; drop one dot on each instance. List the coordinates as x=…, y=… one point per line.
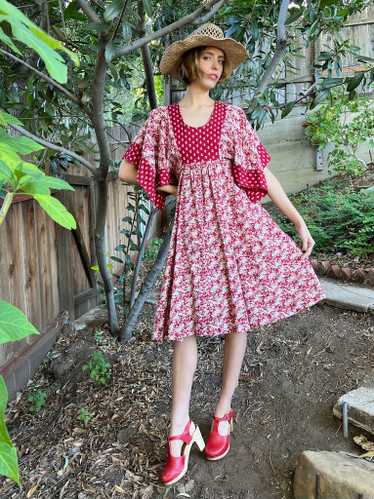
x=226, y=417
x=185, y=436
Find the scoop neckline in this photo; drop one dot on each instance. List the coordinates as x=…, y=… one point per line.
x=201, y=126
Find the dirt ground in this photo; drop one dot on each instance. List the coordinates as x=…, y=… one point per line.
x=293, y=373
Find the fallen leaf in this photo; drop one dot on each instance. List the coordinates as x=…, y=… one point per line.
x=31, y=491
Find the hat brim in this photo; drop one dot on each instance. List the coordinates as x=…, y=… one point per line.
x=235, y=53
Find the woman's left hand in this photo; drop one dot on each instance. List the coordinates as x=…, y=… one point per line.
x=307, y=242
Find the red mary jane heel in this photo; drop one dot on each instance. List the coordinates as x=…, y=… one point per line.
x=176, y=466
x=217, y=446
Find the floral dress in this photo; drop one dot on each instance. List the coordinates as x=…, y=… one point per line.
x=230, y=268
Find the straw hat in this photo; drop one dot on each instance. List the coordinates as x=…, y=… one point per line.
x=206, y=34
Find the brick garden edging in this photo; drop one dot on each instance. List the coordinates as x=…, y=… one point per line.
x=360, y=275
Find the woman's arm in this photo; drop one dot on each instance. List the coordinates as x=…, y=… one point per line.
x=127, y=172
x=169, y=189
x=280, y=198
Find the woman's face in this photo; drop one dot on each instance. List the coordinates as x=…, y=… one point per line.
x=210, y=66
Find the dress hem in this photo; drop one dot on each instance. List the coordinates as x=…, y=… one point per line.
x=320, y=298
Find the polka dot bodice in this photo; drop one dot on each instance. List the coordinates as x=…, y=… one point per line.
x=198, y=143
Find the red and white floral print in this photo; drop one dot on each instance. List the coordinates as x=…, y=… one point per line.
x=230, y=268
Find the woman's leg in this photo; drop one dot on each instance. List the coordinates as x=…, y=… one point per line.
x=184, y=366
x=234, y=350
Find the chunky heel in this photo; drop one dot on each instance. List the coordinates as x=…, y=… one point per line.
x=176, y=466
x=198, y=438
x=217, y=446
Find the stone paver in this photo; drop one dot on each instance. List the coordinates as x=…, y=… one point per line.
x=341, y=476
x=348, y=296
x=360, y=408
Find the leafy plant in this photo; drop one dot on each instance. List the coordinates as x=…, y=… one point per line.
x=328, y=125
x=13, y=326
x=17, y=175
x=28, y=33
x=339, y=219
x=84, y=415
x=98, y=368
x=37, y=400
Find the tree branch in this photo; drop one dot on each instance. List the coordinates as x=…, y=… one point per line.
x=55, y=147
x=88, y=10
x=280, y=48
x=43, y=76
x=209, y=15
x=168, y=29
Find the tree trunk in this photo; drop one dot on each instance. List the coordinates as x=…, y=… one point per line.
x=101, y=210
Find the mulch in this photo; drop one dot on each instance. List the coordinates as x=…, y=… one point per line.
x=293, y=373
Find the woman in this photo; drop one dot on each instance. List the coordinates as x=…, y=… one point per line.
x=230, y=268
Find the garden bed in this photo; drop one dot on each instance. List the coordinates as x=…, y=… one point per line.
x=92, y=441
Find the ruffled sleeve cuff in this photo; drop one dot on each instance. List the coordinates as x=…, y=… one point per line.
x=148, y=153
x=250, y=160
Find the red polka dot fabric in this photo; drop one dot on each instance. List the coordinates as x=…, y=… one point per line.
x=198, y=143
x=229, y=268
x=149, y=152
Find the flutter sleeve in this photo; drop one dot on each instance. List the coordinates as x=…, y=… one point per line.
x=149, y=152
x=250, y=159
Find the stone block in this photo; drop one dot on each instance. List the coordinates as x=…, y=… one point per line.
x=360, y=408
x=333, y=475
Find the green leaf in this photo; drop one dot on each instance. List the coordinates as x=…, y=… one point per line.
x=4, y=435
x=58, y=183
x=148, y=8
x=22, y=145
x=8, y=119
x=5, y=173
x=9, y=462
x=72, y=12
x=56, y=210
x=14, y=325
x=8, y=41
x=113, y=10
x=33, y=185
x=28, y=33
x=354, y=82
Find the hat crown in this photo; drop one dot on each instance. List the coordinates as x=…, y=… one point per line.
x=208, y=29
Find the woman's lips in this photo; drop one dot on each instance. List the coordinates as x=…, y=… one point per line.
x=213, y=77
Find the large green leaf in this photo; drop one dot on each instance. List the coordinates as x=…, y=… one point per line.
x=4, y=435
x=14, y=325
x=22, y=145
x=6, y=174
x=56, y=210
x=8, y=41
x=57, y=183
x=33, y=185
x=9, y=462
x=8, y=119
x=25, y=31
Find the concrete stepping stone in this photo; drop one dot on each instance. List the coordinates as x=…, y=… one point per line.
x=348, y=296
x=333, y=475
x=360, y=408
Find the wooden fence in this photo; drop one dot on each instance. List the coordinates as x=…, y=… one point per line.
x=46, y=269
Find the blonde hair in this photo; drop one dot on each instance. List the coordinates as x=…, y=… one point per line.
x=188, y=67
